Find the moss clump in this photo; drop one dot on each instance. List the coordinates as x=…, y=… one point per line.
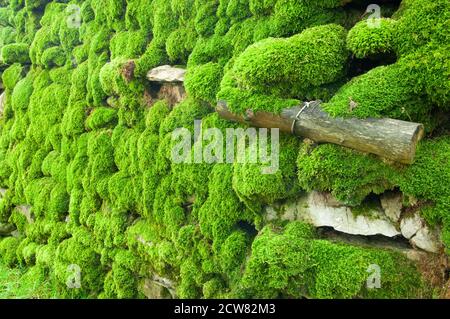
x=263, y=182
x=276, y=63
x=8, y=249
x=53, y=56
x=78, y=251
x=202, y=82
x=273, y=68
x=349, y=175
x=101, y=117
x=12, y=75
x=15, y=53
x=364, y=39
x=378, y=93
x=295, y=264
x=22, y=93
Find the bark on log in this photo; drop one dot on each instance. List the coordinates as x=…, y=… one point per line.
x=389, y=138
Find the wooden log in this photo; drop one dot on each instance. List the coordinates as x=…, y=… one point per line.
x=389, y=138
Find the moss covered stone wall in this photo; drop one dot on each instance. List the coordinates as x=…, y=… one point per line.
x=80, y=144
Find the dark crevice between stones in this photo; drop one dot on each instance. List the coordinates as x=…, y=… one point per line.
x=375, y=241
x=361, y=66
x=247, y=227
x=388, y=7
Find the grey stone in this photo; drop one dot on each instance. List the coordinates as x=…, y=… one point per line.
x=322, y=210
x=411, y=225
x=427, y=240
x=420, y=234
x=392, y=204
x=166, y=73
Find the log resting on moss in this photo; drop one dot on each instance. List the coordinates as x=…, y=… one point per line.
x=389, y=138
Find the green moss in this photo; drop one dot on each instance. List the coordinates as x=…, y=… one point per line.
x=364, y=39
x=77, y=251
x=379, y=93
x=254, y=185
x=22, y=93
x=214, y=49
x=264, y=7
x=427, y=179
x=101, y=117
x=206, y=19
x=202, y=82
x=179, y=45
x=276, y=63
x=153, y=56
x=12, y=75
x=239, y=101
x=106, y=194
x=122, y=282
x=349, y=175
x=293, y=16
x=293, y=264
x=8, y=247
x=222, y=211
x=53, y=56
x=15, y=53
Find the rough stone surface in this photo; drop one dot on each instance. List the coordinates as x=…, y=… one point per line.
x=416, y=230
x=392, y=204
x=410, y=225
x=173, y=93
x=321, y=210
x=166, y=73
x=153, y=290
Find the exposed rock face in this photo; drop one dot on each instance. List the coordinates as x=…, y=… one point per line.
x=323, y=210
x=158, y=288
x=172, y=93
x=415, y=229
x=166, y=73
x=392, y=204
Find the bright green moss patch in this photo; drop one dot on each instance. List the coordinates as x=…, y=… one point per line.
x=294, y=264
x=101, y=117
x=203, y=82
x=12, y=75
x=85, y=142
x=264, y=183
x=365, y=39
x=380, y=93
x=15, y=53
x=349, y=175
x=275, y=64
